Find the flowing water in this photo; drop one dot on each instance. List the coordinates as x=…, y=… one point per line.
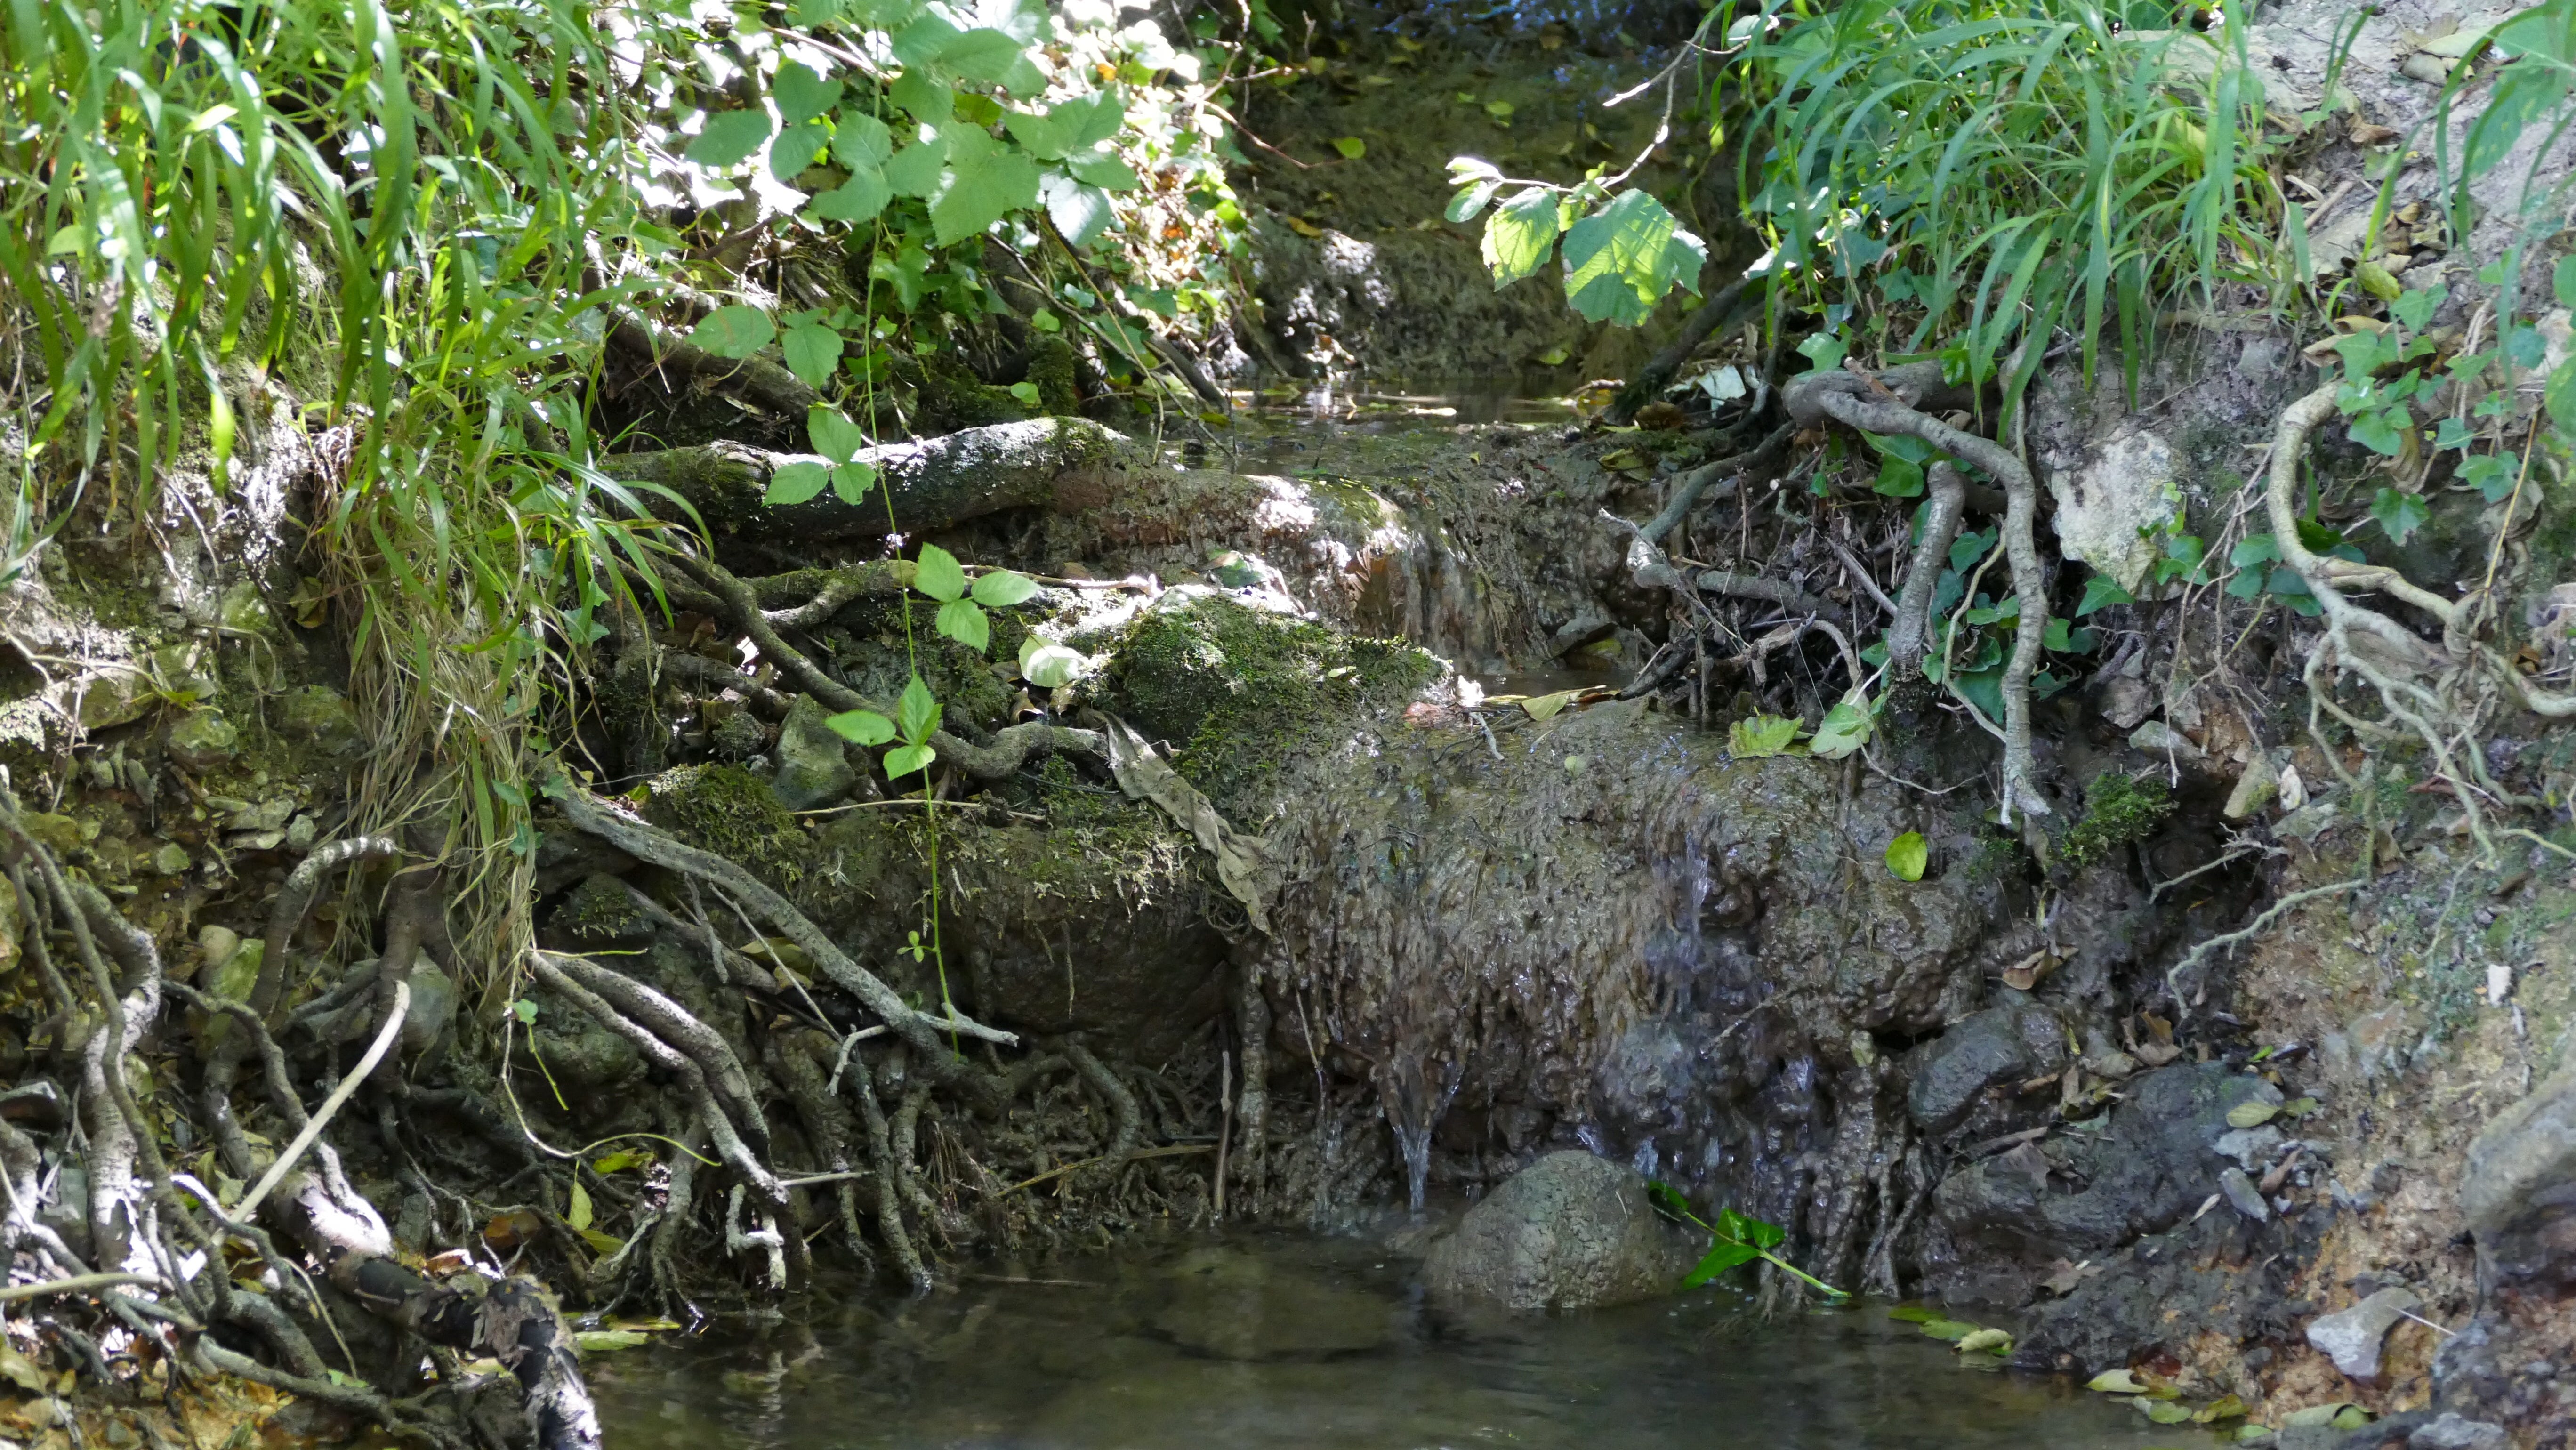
x=1209, y=1343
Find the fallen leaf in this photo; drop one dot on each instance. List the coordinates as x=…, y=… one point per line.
x=2252, y=1114
x=2115, y=1382
x=2364, y=133
x=1545, y=706
x=2162, y=1412
x=1303, y=227
x=1907, y=855
x=1992, y=1341
x=2225, y=1407
x=597, y=1341
x=1952, y=1329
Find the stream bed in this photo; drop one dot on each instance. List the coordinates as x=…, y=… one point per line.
x=1259, y=1340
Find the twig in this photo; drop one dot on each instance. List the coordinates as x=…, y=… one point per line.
x=1172, y=1151
x=76, y=1284
x=376, y=1051
x=2173, y=977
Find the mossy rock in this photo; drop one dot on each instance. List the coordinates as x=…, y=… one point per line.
x=1238, y=690
x=730, y=811
x=599, y=914
x=2118, y=809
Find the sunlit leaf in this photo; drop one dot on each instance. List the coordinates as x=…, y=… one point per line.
x=729, y=138
x=794, y=483
x=851, y=482
x=833, y=435
x=938, y=574
x=861, y=727
x=917, y=711
x=813, y=353
x=1520, y=235
x=905, y=759
x=963, y=621
x=1756, y=736
x=734, y=331
x=1050, y=666
x=1907, y=855
x=1002, y=588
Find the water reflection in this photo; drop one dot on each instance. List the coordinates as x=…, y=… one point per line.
x=1261, y=1341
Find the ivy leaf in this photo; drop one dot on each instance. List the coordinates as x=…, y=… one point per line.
x=833, y=436
x=904, y=760
x=1003, y=588
x=1080, y=212
x=2100, y=592
x=734, y=331
x=982, y=183
x=856, y=200
x=2381, y=431
x=851, y=482
x=1757, y=736
x=794, y=483
x=1520, y=235
x=1622, y=259
x=729, y=138
x=1907, y=856
x=1845, y=728
x=861, y=727
x=813, y=353
x=2415, y=308
x=861, y=142
x=963, y=621
x=2489, y=475
x=917, y=711
x=938, y=575
x=2399, y=513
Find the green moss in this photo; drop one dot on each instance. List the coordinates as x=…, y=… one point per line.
x=953, y=397
x=1051, y=368
x=598, y=911
x=2118, y=809
x=1239, y=690
x=730, y=811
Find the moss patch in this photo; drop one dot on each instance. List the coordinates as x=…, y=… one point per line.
x=1239, y=691
x=728, y=810
x=2118, y=809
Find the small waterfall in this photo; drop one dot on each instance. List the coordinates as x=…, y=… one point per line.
x=1413, y=1102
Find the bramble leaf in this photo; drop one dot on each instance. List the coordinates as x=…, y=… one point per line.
x=963, y=621
x=734, y=331
x=1003, y=588
x=861, y=727
x=938, y=574
x=729, y=138
x=794, y=483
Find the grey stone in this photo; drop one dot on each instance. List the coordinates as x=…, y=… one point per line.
x=2351, y=1337
x=2252, y=1148
x=1570, y=1231
x=319, y=716
x=433, y=1008
x=2014, y=1040
x=812, y=771
x=2452, y=1432
x=2242, y=1195
x=202, y=740
x=2114, y=502
x=2519, y=1194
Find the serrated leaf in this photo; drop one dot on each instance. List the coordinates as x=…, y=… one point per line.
x=1907, y=856
x=1038, y=134
x=1002, y=588
x=1756, y=736
x=794, y=483
x=916, y=169
x=834, y=436
x=903, y=760
x=862, y=198
x=917, y=711
x=1520, y=235
x=861, y=727
x=1470, y=201
x=729, y=138
x=938, y=574
x=921, y=94
x=813, y=353
x=982, y=54
x=963, y=621
x=982, y=182
x=1106, y=172
x=801, y=94
x=861, y=142
x=1081, y=213
x=795, y=149
x=734, y=331
x=851, y=482
x=2399, y=513
x=1622, y=259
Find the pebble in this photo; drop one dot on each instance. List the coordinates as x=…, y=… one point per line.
x=2242, y=1195
x=2351, y=1337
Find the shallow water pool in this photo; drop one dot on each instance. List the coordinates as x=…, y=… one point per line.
x=1323, y=1344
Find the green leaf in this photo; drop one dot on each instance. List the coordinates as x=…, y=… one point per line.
x=851, y=482
x=1721, y=1256
x=1622, y=259
x=813, y=354
x=1026, y=392
x=938, y=575
x=920, y=94
x=917, y=711
x=1351, y=147
x=905, y=759
x=1088, y=120
x=2382, y=431
x=1080, y=212
x=916, y=169
x=2115, y=1382
x=1520, y=235
x=2562, y=280
x=1109, y=173
x=1845, y=728
x=2162, y=1412
x=1907, y=855
x=963, y=621
x=1470, y=201
x=1756, y=736
x=795, y=149
x=1825, y=350
x=2101, y=592
x=2399, y=513
x=981, y=54
x=834, y=436
x=1038, y=134
x=794, y=483
x=1050, y=666
x=2415, y=307
x=1002, y=588
x=1898, y=478
x=2252, y=1114
x=981, y=184
x=2559, y=396
x=734, y=331
x=2489, y=475
x=729, y=138
x=859, y=199
x=525, y=1010
x=801, y=94
x=861, y=142
x=861, y=727
x=577, y=1212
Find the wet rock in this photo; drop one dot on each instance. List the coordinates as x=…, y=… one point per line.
x=2451, y=1432
x=2351, y=1337
x=1571, y=1231
x=2002, y=1044
x=2148, y=1170
x=320, y=717
x=1242, y=1307
x=2519, y=1195
x=812, y=770
x=202, y=740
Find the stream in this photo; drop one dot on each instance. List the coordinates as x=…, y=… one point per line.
x=1248, y=1340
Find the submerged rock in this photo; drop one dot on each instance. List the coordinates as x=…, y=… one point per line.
x=1570, y=1231
x=1242, y=1307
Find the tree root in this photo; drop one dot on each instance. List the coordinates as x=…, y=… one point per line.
x=1909, y=637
